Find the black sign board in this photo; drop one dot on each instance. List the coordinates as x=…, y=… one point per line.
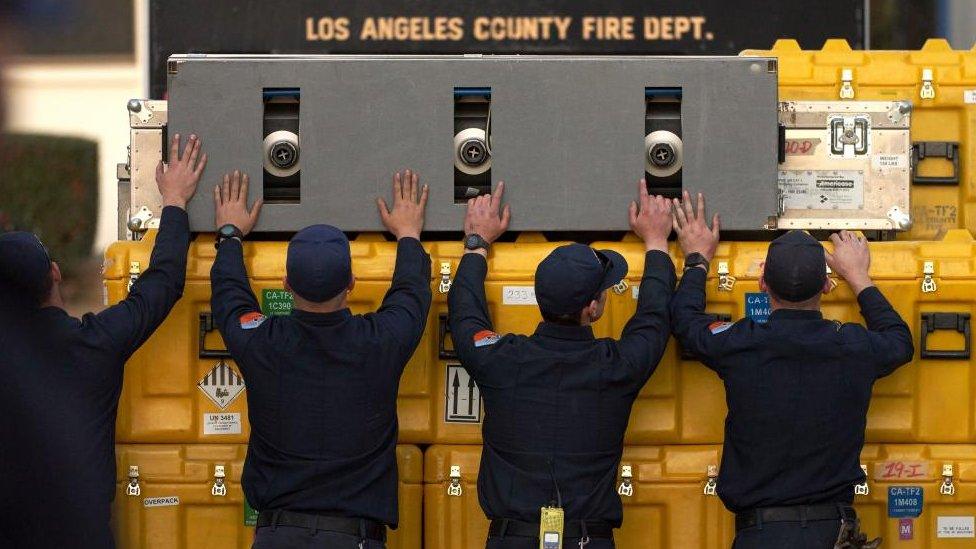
x=717, y=27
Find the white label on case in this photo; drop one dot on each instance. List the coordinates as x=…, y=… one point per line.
x=518, y=295
x=955, y=527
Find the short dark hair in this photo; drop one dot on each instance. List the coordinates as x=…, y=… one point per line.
x=570, y=319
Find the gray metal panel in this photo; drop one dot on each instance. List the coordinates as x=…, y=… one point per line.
x=567, y=133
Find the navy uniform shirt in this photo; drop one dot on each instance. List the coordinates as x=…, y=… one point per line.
x=797, y=389
x=321, y=390
x=556, y=402
x=60, y=391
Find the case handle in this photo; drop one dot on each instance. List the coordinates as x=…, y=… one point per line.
x=206, y=326
x=941, y=149
x=945, y=321
x=443, y=331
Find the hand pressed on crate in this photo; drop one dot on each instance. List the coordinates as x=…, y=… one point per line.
x=694, y=234
x=851, y=260
x=177, y=179
x=651, y=219
x=230, y=203
x=406, y=218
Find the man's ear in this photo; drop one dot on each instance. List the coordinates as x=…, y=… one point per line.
x=762, y=284
x=284, y=282
x=826, y=287
x=590, y=311
x=55, y=273
x=352, y=283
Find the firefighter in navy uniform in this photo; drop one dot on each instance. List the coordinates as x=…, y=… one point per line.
x=62, y=376
x=322, y=382
x=557, y=402
x=797, y=386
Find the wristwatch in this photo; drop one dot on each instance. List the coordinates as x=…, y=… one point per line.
x=226, y=232
x=476, y=242
x=695, y=259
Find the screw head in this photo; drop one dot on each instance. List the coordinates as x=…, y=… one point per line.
x=662, y=155
x=473, y=152
x=283, y=154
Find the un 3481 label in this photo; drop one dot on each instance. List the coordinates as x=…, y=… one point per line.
x=822, y=189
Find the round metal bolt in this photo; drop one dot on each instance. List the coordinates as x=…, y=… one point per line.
x=134, y=224
x=662, y=155
x=473, y=152
x=134, y=105
x=283, y=154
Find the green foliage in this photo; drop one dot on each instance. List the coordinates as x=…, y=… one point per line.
x=49, y=186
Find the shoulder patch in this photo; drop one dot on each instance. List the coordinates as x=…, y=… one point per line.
x=719, y=327
x=250, y=321
x=485, y=338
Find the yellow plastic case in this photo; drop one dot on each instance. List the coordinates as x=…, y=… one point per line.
x=173, y=499
x=941, y=84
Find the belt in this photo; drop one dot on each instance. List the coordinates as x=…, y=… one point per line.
x=794, y=513
x=369, y=529
x=575, y=529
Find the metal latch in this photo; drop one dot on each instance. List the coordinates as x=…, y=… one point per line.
x=219, y=488
x=947, y=488
x=862, y=489
x=133, y=489
x=846, y=86
x=621, y=287
x=445, y=285
x=134, y=271
x=711, y=485
x=454, y=489
x=849, y=135
x=725, y=280
x=626, y=487
x=927, y=91
x=928, y=271
x=833, y=281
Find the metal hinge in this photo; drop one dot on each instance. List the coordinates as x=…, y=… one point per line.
x=135, y=269
x=862, y=489
x=725, y=280
x=626, y=487
x=928, y=90
x=133, y=489
x=621, y=287
x=454, y=489
x=947, y=488
x=445, y=285
x=928, y=282
x=846, y=86
x=711, y=485
x=219, y=488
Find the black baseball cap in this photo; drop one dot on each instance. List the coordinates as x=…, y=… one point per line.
x=319, y=265
x=572, y=276
x=25, y=265
x=795, y=267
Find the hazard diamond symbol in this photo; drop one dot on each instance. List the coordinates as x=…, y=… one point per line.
x=222, y=384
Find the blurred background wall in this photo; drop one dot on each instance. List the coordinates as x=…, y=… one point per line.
x=77, y=62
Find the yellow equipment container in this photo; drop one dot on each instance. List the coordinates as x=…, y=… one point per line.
x=669, y=497
x=931, y=283
x=163, y=400
x=941, y=84
x=667, y=506
x=189, y=496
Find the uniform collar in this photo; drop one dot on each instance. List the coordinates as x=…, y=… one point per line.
x=321, y=319
x=558, y=331
x=795, y=314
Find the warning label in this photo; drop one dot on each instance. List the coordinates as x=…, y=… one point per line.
x=955, y=527
x=463, y=398
x=821, y=189
x=222, y=424
x=222, y=384
x=166, y=501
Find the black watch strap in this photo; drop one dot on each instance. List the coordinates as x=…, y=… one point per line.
x=695, y=259
x=476, y=242
x=227, y=232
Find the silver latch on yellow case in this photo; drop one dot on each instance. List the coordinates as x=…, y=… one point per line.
x=219, y=488
x=626, y=487
x=133, y=489
x=454, y=489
